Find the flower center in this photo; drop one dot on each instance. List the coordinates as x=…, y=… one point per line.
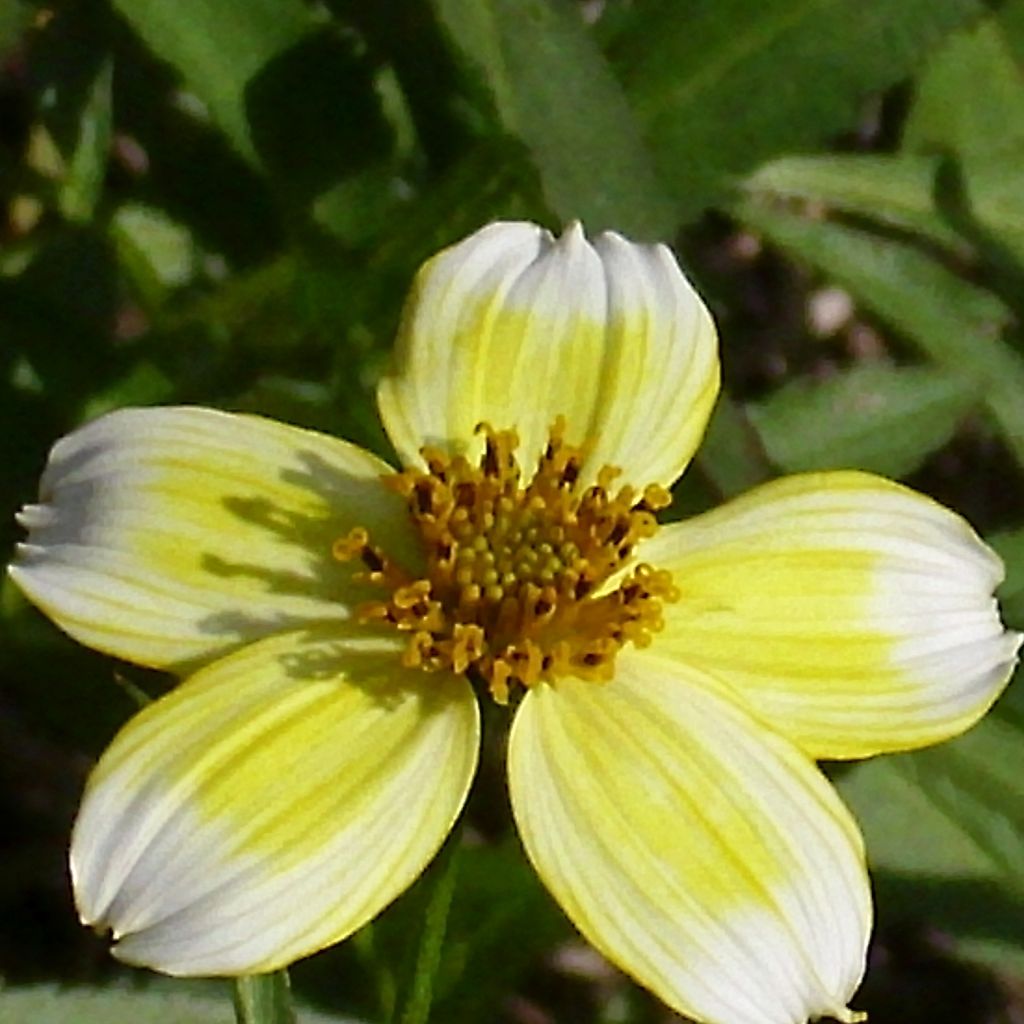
x=524, y=584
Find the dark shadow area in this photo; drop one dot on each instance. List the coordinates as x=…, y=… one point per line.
x=315, y=117
x=348, y=501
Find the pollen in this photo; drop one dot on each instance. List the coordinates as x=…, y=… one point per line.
x=524, y=583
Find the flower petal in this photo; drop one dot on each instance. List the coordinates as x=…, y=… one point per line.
x=694, y=847
x=272, y=804
x=853, y=614
x=168, y=535
x=514, y=328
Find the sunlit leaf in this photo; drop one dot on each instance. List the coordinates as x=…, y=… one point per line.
x=157, y=253
x=554, y=90
x=720, y=85
x=218, y=47
x=909, y=192
x=897, y=191
x=970, y=99
x=87, y=165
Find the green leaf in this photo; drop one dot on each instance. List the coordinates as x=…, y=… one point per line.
x=969, y=107
x=970, y=100
x=945, y=836
x=732, y=455
x=884, y=795
x=554, y=90
x=991, y=211
x=86, y=169
x=721, y=85
x=908, y=192
x=48, y=1004
x=896, y=191
x=880, y=418
x=1010, y=16
x=955, y=323
x=158, y=254
x=218, y=47
x=1009, y=544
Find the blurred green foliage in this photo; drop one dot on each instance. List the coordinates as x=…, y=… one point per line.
x=223, y=201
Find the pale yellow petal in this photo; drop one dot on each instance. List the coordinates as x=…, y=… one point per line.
x=515, y=328
x=272, y=804
x=698, y=850
x=853, y=614
x=169, y=535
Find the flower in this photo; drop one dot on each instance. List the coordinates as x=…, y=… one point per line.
x=671, y=686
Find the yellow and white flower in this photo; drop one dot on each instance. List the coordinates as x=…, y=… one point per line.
x=339, y=620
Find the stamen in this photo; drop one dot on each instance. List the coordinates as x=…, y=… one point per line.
x=518, y=586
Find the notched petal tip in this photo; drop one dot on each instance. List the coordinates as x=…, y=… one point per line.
x=271, y=805
x=573, y=235
x=517, y=328
x=34, y=517
x=762, y=915
x=854, y=614
x=169, y=535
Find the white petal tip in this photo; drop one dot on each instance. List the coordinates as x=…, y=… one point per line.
x=14, y=570
x=1013, y=642
x=572, y=235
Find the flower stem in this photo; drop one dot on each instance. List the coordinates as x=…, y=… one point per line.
x=435, y=923
x=264, y=999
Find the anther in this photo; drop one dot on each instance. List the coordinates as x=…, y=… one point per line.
x=511, y=569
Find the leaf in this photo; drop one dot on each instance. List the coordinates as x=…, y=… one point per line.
x=945, y=835
x=48, y=1004
x=907, y=192
x=955, y=323
x=880, y=418
x=970, y=99
x=732, y=455
x=721, y=85
x=554, y=90
x=157, y=253
x=218, y=47
x=896, y=191
x=86, y=169
x=1009, y=545
x=1010, y=16
x=969, y=107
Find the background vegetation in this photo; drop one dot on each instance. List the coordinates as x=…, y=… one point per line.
x=223, y=201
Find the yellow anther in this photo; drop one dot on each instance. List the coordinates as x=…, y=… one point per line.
x=512, y=569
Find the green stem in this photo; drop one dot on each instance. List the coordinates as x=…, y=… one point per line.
x=435, y=924
x=264, y=999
